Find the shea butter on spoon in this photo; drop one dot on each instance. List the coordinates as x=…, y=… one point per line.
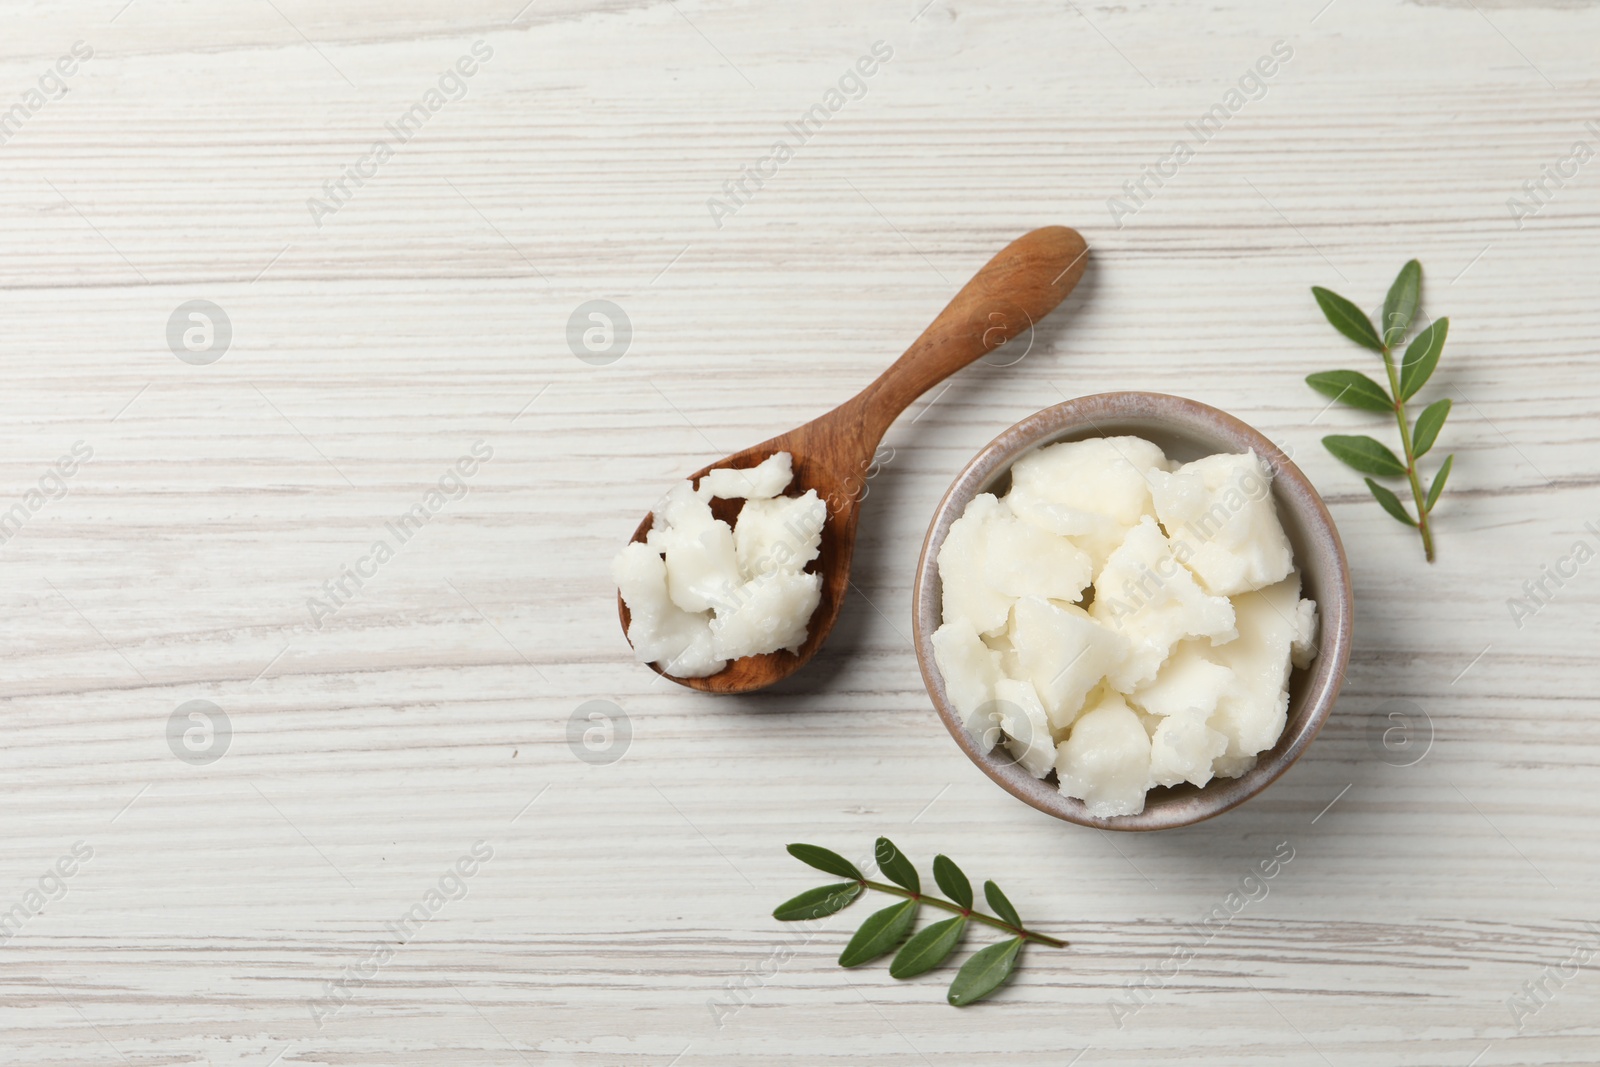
x=1122, y=621
x=701, y=592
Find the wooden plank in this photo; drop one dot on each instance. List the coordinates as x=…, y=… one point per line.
x=624, y=914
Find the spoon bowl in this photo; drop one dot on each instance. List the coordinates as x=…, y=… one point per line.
x=832, y=454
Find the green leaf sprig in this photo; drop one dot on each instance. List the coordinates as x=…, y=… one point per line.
x=1421, y=357
x=987, y=970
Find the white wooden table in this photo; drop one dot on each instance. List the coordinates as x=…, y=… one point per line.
x=622, y=915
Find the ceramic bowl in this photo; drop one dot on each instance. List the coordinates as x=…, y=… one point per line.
x=1185, y=430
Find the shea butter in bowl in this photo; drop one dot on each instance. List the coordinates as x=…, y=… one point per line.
x=1132, y=611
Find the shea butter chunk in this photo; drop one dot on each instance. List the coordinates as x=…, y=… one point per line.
x=1253, y=710
x=781, y=533
x=1105, y=476
x=962, y=558
x=1183, y=749
x=1027, y=730
x=1220, y=513
x=1064, y=653
x=1303, y=649
x=1090, y=491
x=1020, y=559
x=1106, y=761
x=766, y=614
x=662, y=632
x=1146, y=595
x=1187, y=682
x=765, y=480
x=970, y=670
x=702, y=570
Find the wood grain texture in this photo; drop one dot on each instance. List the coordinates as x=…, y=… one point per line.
x=623, y=915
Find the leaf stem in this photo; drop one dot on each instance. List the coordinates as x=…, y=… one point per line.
x=1411, y=460
x=976, y=916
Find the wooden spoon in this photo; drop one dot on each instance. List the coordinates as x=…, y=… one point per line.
x=833, y=454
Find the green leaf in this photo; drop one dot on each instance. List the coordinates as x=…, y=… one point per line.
x=824, y=860
x=895, y=867
x=952, y=880
x=1353, y=388
x=1364, y=454
x=1429, y=423
x=882, y=931
x=1400, y=306
x=986, y=971
x=1438, y=481
x=1390, y=502
x=1422, y=355
x=1002, y=907
x=815, y=903
x=1347, y=318
x=928, y=948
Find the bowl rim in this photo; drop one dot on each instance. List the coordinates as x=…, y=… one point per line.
x=1314, y=689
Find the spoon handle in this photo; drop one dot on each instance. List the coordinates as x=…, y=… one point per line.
x=1013, y=291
